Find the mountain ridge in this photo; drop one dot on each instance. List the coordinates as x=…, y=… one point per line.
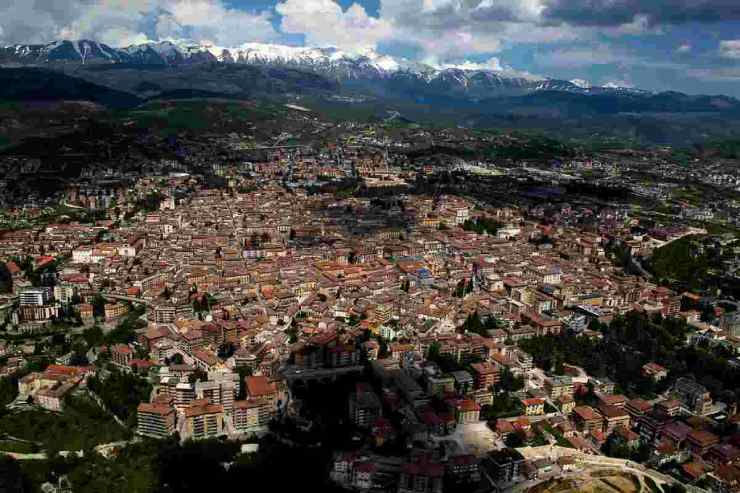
x=329, y=62
x=362, y=85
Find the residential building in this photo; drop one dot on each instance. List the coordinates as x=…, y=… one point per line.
x=156, y=419
x=485, y=374
x=613, y=417
x=203, y=420
x=467, y=411
x=364, y=406
x=534, y=406
x=556, y=386
x=700, y=441
x=422, y=475
x=586, y=419
x=694, y=396
x=504, y=466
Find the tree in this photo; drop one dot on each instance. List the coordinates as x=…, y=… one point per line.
x=469, y=287
x=244, y=372
x=8, y=390
x=508, y=382
x=121, y=392
x=473, y=324
x=98, y=303
x=616, y=447
x=225, y=350
x=434, y=351
x=79, y=355
x=93, y=336
x=460, y=289
x=491, y=323
x=482, y=225
x=6, y=280
x=11, y=476
x=198, y=375
x=292, y=332
x=383, y=350
x=514, y=440
x=558, y=368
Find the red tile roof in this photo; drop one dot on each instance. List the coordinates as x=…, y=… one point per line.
x=260, y=386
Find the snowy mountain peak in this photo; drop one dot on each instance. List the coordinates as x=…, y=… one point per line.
x=583, y=84
x=476, y=80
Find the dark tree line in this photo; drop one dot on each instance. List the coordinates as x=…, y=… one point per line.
x=122, y=393
x=629, y=342
x=482, y=225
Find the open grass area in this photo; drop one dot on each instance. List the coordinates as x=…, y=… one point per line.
x=133, y=470
x=17, y=447
x=691, y=194
x=81, y=426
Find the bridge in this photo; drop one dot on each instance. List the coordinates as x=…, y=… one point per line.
x=296, y=374
x=131, y=299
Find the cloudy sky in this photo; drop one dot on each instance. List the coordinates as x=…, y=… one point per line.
x=685, y=45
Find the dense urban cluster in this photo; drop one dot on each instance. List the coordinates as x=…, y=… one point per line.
x=434, y=324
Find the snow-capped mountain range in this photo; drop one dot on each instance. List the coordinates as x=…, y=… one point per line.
x=329, y=62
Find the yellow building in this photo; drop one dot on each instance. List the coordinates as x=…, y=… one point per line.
x=203, y=420
x=533, y=407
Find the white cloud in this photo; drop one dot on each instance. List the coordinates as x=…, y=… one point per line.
x=684, y=48
x=122, y=22
x=121, y=37
x=108, y=21
x=616, y=84
x=324, y=23
x=640, y=24
x=442, y=30
x=492, y=63
x=730, y=48
x=721, y=74
x=212, y=21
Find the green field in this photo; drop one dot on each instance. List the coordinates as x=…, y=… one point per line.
x=172, y=117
